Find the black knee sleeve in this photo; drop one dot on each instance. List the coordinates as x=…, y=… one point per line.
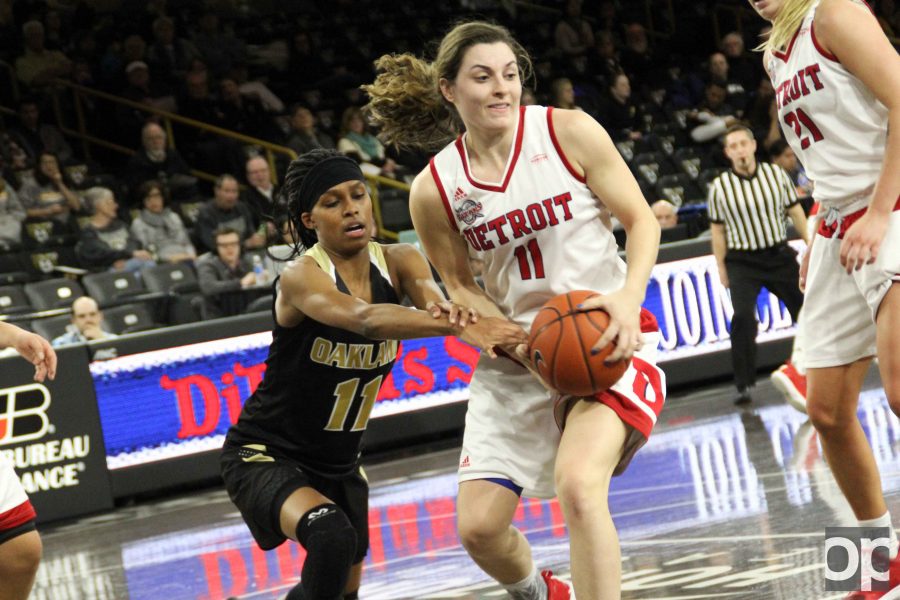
x=330, y=542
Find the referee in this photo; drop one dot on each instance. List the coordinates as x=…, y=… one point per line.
x=747, y=206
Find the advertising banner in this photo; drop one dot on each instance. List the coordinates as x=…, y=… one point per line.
x=50, y=432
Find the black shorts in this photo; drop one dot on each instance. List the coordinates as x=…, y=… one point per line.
x=259, y=483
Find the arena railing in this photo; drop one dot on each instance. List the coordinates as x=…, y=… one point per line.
x=79, y=130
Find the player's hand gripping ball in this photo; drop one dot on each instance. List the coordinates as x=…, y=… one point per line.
x=560, y=346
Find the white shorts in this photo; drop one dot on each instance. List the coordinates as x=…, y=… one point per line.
x=511, y=429
x=839, y=309
x=15, y=508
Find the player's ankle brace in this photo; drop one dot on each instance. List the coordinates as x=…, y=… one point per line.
x=330, y=542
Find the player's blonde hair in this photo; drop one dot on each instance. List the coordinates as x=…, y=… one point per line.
x=786, y=23
x=405, y=100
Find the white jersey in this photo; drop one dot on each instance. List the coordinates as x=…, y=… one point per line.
x=832, y=121
x=538, y=231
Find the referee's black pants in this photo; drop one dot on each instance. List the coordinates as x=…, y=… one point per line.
x=749, y=271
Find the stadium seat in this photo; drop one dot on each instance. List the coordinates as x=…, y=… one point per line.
x=53, y=293
x=51, y=327
x=261, y=304
x=677, y=188
x=650, y=166
x=113, y=287
x=13, y=300
x=169, y=277
x=128, y=318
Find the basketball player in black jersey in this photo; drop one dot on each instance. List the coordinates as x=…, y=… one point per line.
x=291, y=462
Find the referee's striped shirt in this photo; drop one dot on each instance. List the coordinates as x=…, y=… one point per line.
x=753, y=209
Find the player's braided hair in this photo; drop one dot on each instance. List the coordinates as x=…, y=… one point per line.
x=291, y=201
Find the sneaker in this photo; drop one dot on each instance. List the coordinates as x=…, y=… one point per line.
x=743, y=398
x=792, y=384
x=893, y=593
x=557, y=589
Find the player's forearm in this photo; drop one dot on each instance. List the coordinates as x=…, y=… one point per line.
x=395, y=322
x=641, y=249
x=8, y=334
x=887, y=190
x=472, y=296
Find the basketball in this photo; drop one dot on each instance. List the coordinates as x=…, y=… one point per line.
x=560, y=346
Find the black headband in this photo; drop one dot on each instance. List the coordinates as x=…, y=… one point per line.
x=325, y=175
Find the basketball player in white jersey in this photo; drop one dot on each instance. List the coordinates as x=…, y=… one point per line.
x=837, y=82
x=521, y=189
x=20, y=544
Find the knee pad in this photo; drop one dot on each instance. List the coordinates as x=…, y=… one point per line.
x=330, y=542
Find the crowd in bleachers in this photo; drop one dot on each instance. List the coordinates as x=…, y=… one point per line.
x=289, y=73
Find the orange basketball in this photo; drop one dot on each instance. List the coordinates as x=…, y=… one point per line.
x=560, y=346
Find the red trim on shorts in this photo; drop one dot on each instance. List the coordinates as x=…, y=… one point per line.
x=17, y=516
x=444, y=198
x=827, y=231
x=559, y=149
x=822, y=51
x=648, y=321
x=627, y=411
x=517, y=147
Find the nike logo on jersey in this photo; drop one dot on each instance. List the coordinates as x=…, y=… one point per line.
x=518, y=223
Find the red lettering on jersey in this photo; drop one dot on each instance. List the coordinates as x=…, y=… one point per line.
x=536, y=217
x=548, y=207
x=473, y=240
x=563, y=200
x=795, y=88
x=517, y=221
x=801, y=76
x=496, y=225
x=813, y=72
x=483, y=242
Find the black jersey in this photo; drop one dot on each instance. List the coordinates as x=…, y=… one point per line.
x=320, y=384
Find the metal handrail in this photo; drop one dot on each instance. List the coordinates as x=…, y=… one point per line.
x=80, y=132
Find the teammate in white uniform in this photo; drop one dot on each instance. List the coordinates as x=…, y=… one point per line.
x=20, y=544
x=837, y=82
x=520, y=190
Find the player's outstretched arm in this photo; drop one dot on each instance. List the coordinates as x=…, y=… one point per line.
x=32, y=348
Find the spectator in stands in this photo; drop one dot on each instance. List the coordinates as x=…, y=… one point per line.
x=86, y=326
x=160, y=230
x=106, y=243
x=245, y=114
x=719, y=72
x=223, y=272
x=279, y=255
x=713, y=117
x=12, y=214
x=358, y=143
x=261, y=194
x=573, y=35
x=763, y=114
x=220, y=49
x=141, y=87
x=743, y=68
x=783, y=156
x=605, y=59
x=272, y=103
x=35, y=137
x=619, y=114
x=304, y=136
x=638, y=58
x=528, y=97
x=155, y=160
x=38, y=67
x=169, y=56
x=666, y=213
x=226, y=210
x=563, y=94
x=49, y=195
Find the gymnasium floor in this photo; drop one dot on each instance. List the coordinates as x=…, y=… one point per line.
x=722, y=503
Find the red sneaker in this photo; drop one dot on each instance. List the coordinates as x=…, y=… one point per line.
x=792, y=384
x=893, y=593
x=557, y=589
